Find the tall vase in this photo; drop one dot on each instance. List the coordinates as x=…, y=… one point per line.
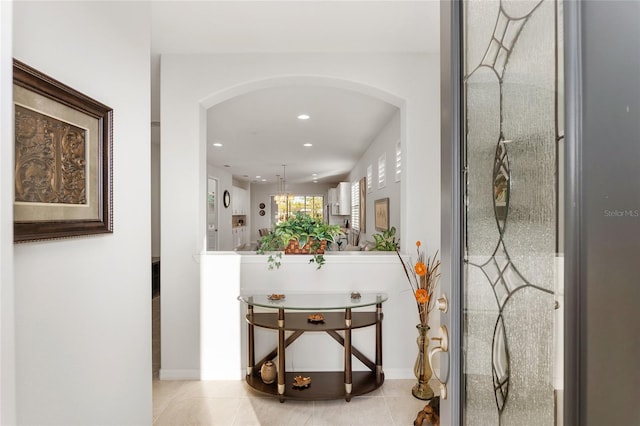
x=422, y=369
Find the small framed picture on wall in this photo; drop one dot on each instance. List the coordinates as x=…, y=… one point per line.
x=381, y=209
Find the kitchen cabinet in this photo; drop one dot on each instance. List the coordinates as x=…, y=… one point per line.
x=333, y=199
x=239, y=201
x=239, y=235
x=341, y=202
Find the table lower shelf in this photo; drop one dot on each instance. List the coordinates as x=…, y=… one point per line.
x=325, y=385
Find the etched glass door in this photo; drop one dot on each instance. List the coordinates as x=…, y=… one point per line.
x=512, y=273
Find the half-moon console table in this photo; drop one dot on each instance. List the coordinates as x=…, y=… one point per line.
x=293, y=315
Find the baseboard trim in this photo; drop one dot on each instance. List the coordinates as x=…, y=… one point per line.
x=398, y=373
x=165, y=374
x=219, y=375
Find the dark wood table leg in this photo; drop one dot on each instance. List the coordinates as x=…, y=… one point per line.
x=281, y=349
x=347, y=354
x=379, y=342
x=251, y=363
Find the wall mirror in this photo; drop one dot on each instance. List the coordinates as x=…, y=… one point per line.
x=226, y=199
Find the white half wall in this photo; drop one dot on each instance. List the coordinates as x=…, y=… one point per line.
x=83, y=305
x=220, y=336
x=7, y=323
x=192, y=83
x=224, y=328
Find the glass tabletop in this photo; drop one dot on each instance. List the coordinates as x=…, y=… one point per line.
x=314, y=301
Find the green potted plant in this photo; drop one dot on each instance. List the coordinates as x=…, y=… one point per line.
x=386, y=240
x=299, y=234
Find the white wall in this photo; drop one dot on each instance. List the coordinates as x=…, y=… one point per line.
x=7, y=335
x=192, y=83
x=384, y=142
x=83, y=317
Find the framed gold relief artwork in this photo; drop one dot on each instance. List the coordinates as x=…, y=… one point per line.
x=63, y=159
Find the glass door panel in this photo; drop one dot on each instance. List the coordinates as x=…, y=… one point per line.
x=512, y=288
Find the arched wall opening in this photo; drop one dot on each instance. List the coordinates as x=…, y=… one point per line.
x=246, y=88
x=193, y=83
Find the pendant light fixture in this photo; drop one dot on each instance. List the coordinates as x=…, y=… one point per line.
x=282, y=196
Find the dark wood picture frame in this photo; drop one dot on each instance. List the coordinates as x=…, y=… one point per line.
x=381, y=210
x=42, y=99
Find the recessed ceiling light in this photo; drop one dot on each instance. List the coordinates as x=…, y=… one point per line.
x=264, y=180
x=307, y=145
x=314, y=174
x=258, y=177
x=217, y=144
x=304, y=117
x=315, y=181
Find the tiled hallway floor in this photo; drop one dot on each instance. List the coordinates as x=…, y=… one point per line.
x=234, y=403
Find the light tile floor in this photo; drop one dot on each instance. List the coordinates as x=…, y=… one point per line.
x=235, y=403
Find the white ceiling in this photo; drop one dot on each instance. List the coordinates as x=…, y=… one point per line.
x=260, y=132
x=342, y=122
x=295, y=26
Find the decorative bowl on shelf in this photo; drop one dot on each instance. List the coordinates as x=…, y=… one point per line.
x=275, y=296
x=315, y=318
x=301, y=382
x=355, y=295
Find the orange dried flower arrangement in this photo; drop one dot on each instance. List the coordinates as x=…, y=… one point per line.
x=423, y=280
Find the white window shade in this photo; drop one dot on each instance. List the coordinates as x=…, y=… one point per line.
x=355, y=206
x=398, y=161
x=382, y=164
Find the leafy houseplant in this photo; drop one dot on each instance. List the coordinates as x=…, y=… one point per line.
x=300, y=233
x=386, y=240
